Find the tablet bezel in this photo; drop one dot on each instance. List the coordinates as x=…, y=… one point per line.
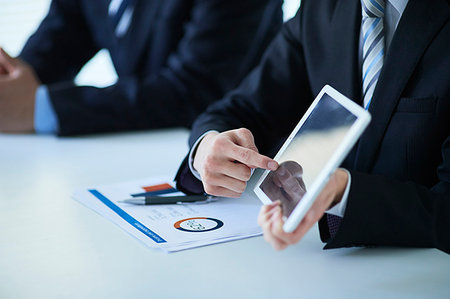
x=357, y=128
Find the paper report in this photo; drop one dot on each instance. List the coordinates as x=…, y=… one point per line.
x=174, y=227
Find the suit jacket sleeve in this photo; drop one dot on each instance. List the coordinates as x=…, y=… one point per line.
x=384, y=211
x=266, y=102
x=61, y=45
x=207, y=62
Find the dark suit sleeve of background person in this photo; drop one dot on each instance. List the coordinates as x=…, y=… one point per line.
x=210, y=58
x=402, y=198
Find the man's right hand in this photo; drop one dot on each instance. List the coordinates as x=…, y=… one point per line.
x=225, y=160
x=18, y=85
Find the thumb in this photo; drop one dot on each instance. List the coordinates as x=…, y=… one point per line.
x=7, y=62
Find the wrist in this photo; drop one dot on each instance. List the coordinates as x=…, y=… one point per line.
x=341, y=177
x=201, y=148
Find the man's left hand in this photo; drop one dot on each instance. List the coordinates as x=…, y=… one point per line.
x=18, y=85
x=271, y=221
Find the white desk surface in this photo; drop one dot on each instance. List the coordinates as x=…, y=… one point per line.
x=53, y=247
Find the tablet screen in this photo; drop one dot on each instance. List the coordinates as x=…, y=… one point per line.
x=307, y=152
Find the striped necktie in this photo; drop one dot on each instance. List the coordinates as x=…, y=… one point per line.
x=373, y=46
x=121, y=14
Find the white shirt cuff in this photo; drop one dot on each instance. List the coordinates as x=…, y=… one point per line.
x=191, y=155
x=339, y=208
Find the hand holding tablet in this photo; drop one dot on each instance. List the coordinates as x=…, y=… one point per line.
x=316, y=147
x=270, y=216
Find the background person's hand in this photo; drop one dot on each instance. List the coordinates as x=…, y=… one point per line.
x=271, y=221
x=18, y=85
x=225, y=160
x=286, y=185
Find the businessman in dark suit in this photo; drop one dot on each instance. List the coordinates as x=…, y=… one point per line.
x=394, y=187
x=172, y=57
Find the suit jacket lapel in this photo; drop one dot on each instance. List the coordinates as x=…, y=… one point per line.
x=420, y=22
x=343, y=74
x=342, y=70
x=131, y=46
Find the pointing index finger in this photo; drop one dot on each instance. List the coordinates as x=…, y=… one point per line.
x=253, y=159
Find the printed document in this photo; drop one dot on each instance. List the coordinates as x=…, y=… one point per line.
x=174, y=227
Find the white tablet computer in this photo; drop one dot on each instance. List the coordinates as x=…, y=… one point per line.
x=312, y=152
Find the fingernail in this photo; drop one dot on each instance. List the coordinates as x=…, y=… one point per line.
x=272, y=165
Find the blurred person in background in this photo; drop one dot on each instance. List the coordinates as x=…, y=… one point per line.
x=173, y=58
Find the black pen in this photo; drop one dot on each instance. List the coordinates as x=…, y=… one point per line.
x=161, y=200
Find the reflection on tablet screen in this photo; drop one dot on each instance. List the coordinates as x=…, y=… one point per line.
x=307, y=153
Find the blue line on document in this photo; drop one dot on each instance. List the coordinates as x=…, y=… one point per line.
x=125, y=216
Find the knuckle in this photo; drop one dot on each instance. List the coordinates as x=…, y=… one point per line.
x=222, y=141
x=261, y=160
x=244, y=155
x=210, y=162
x=216, y=145
x=246, y=173
x=264, y=209
x=241, y=187
x=208, y=176
x=244, y=132
x=210, y=189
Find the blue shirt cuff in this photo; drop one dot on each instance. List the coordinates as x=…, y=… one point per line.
x=45, y=119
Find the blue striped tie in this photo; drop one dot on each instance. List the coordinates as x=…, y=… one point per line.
x=373, y=46
x=121, y=14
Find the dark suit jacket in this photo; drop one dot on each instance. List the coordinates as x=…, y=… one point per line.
x=400, y=190
x=177, y=57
